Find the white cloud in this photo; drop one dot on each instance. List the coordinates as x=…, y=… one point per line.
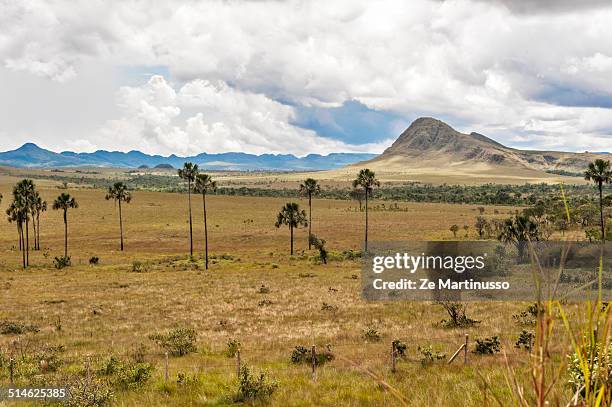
x=539, y=70
x=210, y=117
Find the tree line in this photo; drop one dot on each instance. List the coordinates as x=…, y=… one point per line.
x=27, y=207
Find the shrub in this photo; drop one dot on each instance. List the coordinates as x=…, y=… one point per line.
x=233, y=346
x=456, y=312
x=400, y=348
x=177, y=342
x=319, y=244
x=263, y=289
x=94, y=260
x=599, y=373
x=264, y=303
x=527, y=317
x=251, y=387
x=429, y=355
x=184, y=379
x=525, y=340
x=351, y=254
x=89, y=393
x=61, y=262
x=301, y=354
x=371, y=334
x=126, y=375
x=16, y=328
x=329, y=307
x=139, y=267
x=487, y=346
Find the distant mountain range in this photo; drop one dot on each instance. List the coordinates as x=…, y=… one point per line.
x=31, y=156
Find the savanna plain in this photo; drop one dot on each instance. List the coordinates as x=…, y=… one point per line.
x=95, y=323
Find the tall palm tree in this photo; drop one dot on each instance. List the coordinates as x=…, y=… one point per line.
x=40, y=206
x=64, y=202
x=600, y=173
x=309, y=188
x=366, y=180
x=16, y=214
x=189, y=173
x=26, y=189
x=203, y=184
x=119, y=192
x=292, y=216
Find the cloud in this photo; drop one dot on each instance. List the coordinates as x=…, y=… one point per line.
x=202, y=116
x=239, y=71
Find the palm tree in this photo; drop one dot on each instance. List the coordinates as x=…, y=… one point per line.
x=16, y=213
x=26, y=189
x=40, y=206
x=309, y=188
x=519, y=231
x=292, y=216
x=600, y=173
x=64, y=202
x=189, y=173
x=366, y=180
x=119, y=192
x=203, y=184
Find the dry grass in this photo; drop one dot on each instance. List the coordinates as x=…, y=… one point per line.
x=108, y=309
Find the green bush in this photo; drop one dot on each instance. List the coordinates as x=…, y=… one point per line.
x=233, y=346
x=177, y=342
x=61, y=262
x=487, y=346
x=301, y=354
x=371, y=334
x=94, y=260
x=400, y=348
x=89, y=393
x=252, y=388
x=429, y=355
x=126, y=375
x=139, y=267
x=16, y=328
x=525, y=340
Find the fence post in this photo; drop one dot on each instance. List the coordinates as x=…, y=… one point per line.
x=238, y=367
x=166, y=367
x=11, y=371
x=314, y=362
x=465, y=350
x=393, y=357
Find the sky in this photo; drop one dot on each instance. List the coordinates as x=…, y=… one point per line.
x=302, y=77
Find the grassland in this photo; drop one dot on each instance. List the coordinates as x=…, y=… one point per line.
x=109, y=309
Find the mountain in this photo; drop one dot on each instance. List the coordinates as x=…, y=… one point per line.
x=31, y=156
x=432, y=146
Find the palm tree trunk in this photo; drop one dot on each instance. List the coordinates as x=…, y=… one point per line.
x=19, y=234
x=366, y=225
x=190, y=221
x=601, y=216
x=309, y=219
x=21, y=243
x=38, y=229
x=34, y=231
x=205, y=229
x=27, y=242
x=291, y=232
x=121, y=224
x=65, y=233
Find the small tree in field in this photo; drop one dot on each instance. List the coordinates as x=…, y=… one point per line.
x=454, y=229
x=119, y=193
x=292, y=216
x=600, y=173
x=203, y=184
x=367, y=181
x=64, y=202
x=309, y=188
x=189, y=173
